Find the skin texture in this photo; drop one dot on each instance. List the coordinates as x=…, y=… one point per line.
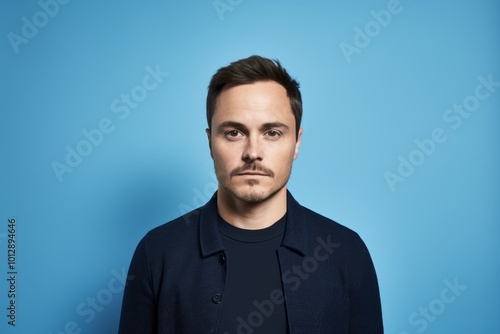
x=253, y=144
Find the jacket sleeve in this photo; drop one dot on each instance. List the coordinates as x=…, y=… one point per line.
x=139, y=307
x=365, y=309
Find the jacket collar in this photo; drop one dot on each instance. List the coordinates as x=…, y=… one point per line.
x=295, y=237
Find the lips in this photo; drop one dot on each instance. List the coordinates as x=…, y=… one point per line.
x=252, y=174
x=252, y=170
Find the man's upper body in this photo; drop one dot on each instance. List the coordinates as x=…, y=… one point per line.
x=178, y=278
x=252, y=260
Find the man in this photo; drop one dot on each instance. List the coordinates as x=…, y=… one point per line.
x=252, y=260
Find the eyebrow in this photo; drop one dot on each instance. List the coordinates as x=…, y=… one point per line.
x=265, y=126
x=274, y=125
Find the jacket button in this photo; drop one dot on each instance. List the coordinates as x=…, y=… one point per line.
x=217, y=298
x=222, y=258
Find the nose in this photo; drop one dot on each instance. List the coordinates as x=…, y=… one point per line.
x=252, y=151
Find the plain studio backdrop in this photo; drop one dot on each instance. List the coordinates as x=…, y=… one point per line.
x=102, y=139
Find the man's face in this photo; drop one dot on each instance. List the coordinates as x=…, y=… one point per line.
x=253, y=140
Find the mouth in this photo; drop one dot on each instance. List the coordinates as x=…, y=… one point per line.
x=253, y=170
x=251, y=174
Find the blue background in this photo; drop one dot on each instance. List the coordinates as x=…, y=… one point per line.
x=362, y=112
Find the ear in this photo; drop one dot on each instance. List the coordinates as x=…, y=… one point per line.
x=207, y=130
x=297, y=144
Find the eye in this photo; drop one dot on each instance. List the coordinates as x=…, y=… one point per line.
x=273, y=134
x=233, y=134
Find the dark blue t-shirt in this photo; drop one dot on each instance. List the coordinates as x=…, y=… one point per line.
x=253, y=299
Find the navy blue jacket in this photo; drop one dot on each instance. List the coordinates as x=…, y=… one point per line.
x=178, y=272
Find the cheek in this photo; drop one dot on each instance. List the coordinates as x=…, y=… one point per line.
x=283, y=162
x=222, y=158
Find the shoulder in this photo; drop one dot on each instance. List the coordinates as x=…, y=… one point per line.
x=320, y=230
x=351, y=254
x=175, y=234
x=317, y=222
x=312, y=225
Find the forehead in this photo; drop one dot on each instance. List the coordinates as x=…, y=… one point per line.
x=259, y=101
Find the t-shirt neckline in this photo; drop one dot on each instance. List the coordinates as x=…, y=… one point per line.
x=240, y=234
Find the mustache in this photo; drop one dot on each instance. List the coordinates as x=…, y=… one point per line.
x=253, y=167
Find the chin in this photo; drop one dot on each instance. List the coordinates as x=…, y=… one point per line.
x=253, y=198
x=254, y=195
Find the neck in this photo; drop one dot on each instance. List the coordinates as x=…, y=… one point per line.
x=251, y=216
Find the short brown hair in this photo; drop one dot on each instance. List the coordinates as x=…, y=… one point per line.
x=250, y=70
